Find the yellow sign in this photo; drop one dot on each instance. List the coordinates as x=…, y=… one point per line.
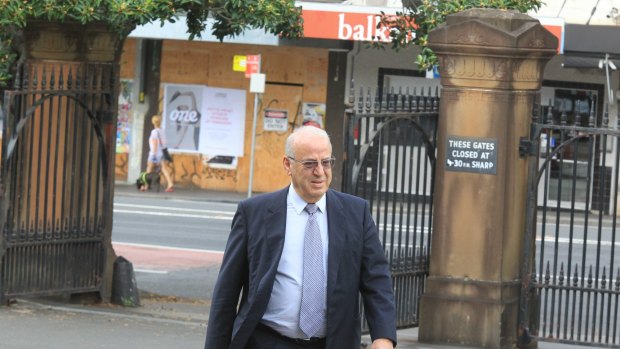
x=239, y=63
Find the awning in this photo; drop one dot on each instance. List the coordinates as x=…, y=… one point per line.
x=586, y=45
x=178, y=31
x=592, y=39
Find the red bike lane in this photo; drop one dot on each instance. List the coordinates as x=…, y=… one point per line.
x=164, y=258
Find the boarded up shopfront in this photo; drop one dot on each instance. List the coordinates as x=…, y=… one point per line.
x=295, y=76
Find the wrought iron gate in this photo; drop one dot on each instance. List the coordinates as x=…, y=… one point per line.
x=55, y=210
x=571, y=276
x=390, y=142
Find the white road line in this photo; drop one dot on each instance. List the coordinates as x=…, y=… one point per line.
x=230, y=213
x=577, y=241
x=150, y=271
x=154, y=213
x=166, y=247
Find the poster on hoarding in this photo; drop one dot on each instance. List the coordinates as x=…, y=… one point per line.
x=183, y=105
x=123, y=121
x=222, y=128
x=313, y=114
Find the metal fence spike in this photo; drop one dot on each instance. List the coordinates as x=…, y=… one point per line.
x=377, y=103
x=577, y=112
x=384, y=100
x=35, y=80
x=360, y=100
x=549, y=115
x=352, y=93
x=407, y=100
x=53, y=79
x=391, y=104
x=422, y=101
x=535, y=111
x=44, y=78
x=592, y=117
x=563, y=115
x=70, y=78
x=61, y=78
x=576, y=276
x=429, y=101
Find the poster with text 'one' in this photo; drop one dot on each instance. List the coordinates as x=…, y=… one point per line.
x=183, y=109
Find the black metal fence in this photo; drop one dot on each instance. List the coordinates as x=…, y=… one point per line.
x=55, y=170
x=390, y=146
x=571, y=274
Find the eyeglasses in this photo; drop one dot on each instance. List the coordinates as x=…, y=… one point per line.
x=312, y=164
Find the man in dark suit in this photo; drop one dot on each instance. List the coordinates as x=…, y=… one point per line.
x=299, y=258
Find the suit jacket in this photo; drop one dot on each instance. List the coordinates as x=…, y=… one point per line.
x=356, y=265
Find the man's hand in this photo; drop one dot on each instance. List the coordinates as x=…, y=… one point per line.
x=382, y=343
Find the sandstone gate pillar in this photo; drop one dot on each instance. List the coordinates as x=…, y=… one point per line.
x=491, y=67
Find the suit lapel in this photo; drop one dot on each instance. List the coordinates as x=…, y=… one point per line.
x=275, y=229
x=336, y=229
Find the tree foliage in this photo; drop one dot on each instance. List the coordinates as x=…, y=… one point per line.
x=412, y=25
x=230, y=17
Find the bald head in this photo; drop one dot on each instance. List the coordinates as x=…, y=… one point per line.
x=302, y=133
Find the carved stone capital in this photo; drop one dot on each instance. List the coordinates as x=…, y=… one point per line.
x=491, y=72
x=492, y=49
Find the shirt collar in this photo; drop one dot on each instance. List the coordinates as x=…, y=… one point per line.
x=300, y=204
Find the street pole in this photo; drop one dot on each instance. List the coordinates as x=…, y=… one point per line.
x=257, y=86
x=253, y=145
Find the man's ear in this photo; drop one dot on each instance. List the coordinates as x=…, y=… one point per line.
x=286, y=162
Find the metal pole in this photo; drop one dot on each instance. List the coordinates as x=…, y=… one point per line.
x=607, y=75
x=253, y=144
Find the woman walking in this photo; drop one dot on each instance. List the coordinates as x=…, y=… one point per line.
x=157, y=141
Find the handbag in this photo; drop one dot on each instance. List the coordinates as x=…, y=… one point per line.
x=164, y=150
x=167, y=156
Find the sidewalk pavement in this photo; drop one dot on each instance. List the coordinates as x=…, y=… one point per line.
x=161, y=322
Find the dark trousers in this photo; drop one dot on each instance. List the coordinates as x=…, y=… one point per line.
x=264, y=337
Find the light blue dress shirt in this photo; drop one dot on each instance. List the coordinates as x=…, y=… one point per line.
x=282, y=312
